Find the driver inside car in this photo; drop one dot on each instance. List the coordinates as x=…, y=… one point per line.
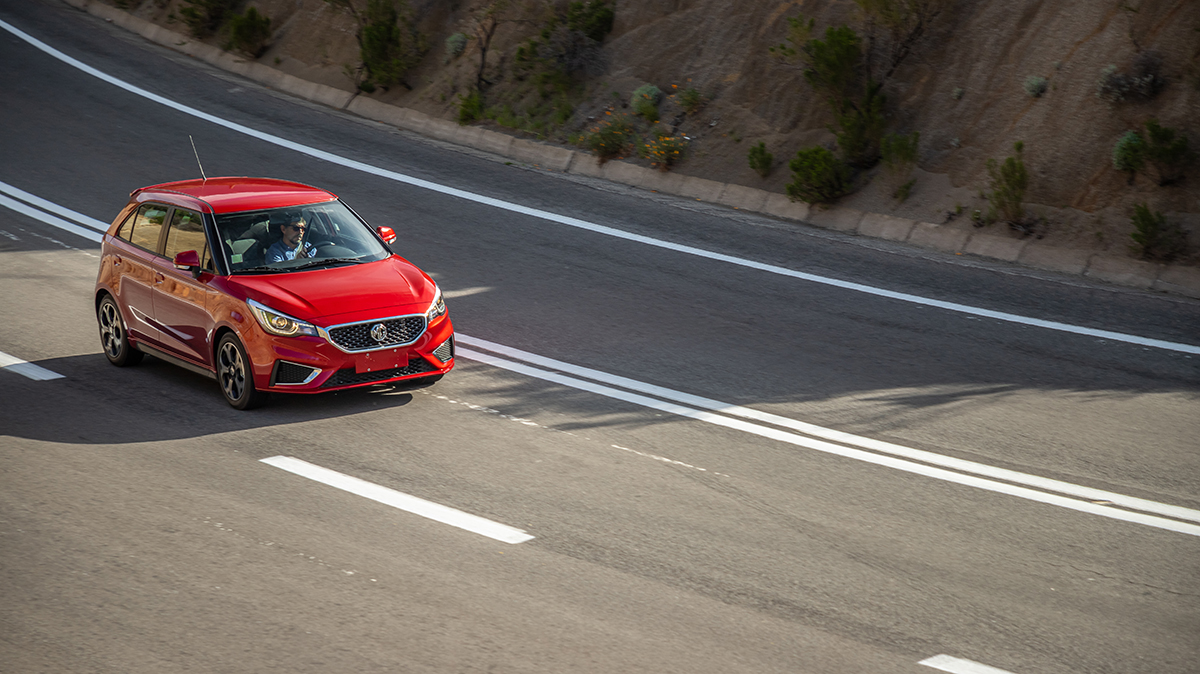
x=292, y=243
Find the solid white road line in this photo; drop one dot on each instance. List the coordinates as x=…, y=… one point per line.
x=592, y=227
x=959, y=666
x=27, y=369
x=838, y=436
x=34, y=213
x=54, y=208
x=829, y=448
x=405, y=502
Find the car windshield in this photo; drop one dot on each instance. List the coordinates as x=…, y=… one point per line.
x=297, y=237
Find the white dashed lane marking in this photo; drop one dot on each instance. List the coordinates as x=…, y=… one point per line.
x=954, y=665
x=400, y=500
x=35, y=372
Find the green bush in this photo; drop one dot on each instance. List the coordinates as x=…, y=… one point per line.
x=860, y=127
x=1155, y=239
x=899, y=152
x=663, y=149
x=593, y=18
x=691, y=100
x=760, y=159
x=1036, y=86
x=470, y=107
x=1008, y=183
x=817, y=176
x=1167, y=150
x=611, y=138
x=1129, y=154
x=1143, y=82
x=249, y=32
x=455, y=44
x=834, y=65
x=205, y=17
x=644, y=102
x=387, y=48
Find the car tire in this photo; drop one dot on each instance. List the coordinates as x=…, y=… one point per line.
x=235, y=375
x=114, y=339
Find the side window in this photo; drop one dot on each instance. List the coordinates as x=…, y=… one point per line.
x=146, y=227
x=186, y=233
x=126, y=228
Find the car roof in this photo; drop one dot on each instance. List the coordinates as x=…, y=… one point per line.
x=231, y=195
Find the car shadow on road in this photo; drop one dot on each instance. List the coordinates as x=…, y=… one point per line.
x=96, y=403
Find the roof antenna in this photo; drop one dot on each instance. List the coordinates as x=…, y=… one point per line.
x=197, y=158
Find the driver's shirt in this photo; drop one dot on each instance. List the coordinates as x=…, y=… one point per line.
x=279, y=251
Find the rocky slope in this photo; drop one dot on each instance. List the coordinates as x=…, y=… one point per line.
x=962, y=89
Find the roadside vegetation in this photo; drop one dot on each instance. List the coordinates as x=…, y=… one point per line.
x=549, y=71
x=540, y=68
x=848, y=69
x=1154, y=238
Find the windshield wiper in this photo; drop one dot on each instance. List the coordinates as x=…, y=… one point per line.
x=328, y=260
x=273, y=270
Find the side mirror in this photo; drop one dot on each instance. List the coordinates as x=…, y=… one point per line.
x=188, y=260
x=386, y=233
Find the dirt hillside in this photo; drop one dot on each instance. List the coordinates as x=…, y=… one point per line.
x=963, y=89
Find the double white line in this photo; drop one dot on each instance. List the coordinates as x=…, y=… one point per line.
x=801, y=434
x=51, y=213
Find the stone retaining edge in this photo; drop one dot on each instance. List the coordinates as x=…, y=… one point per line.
x=1117, y=270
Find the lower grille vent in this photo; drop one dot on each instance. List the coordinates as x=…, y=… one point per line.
x=349, y=377
x=291, y=373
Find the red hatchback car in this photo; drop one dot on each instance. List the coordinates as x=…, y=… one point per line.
x=266, y=285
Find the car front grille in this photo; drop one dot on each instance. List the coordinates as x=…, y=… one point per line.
x=362, y=336
x=348, y=377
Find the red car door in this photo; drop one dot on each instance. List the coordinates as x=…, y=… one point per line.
x=132, y=259
x=181, y=298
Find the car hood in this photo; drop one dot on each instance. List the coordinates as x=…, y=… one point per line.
x=344, y=294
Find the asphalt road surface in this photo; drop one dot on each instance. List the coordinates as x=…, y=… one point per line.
x=723, y=468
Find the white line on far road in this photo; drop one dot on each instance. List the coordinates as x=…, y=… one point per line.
x=22, y=367
x=396, y=499
x=953, y=665
x=339, y=160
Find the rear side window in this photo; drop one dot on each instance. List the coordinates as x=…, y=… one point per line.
x=143, y=228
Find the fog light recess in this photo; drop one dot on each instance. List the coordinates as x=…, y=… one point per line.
x=445, y=351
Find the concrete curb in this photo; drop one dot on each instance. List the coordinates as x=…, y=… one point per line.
x=937, y=237
x=1120, y=271
x=885, y=227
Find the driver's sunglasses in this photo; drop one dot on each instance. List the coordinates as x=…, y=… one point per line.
x=303, y=228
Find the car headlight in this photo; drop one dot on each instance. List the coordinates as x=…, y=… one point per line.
x=437, y=307
x=280, y=324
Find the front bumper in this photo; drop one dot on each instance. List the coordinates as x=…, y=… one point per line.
x=313, y=365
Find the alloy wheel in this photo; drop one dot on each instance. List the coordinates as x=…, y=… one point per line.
x=111, y=330
x=231, y=370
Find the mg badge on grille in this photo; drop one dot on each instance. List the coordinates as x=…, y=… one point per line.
x=379, y=332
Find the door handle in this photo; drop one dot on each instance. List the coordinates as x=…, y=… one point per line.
x=158, y=278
